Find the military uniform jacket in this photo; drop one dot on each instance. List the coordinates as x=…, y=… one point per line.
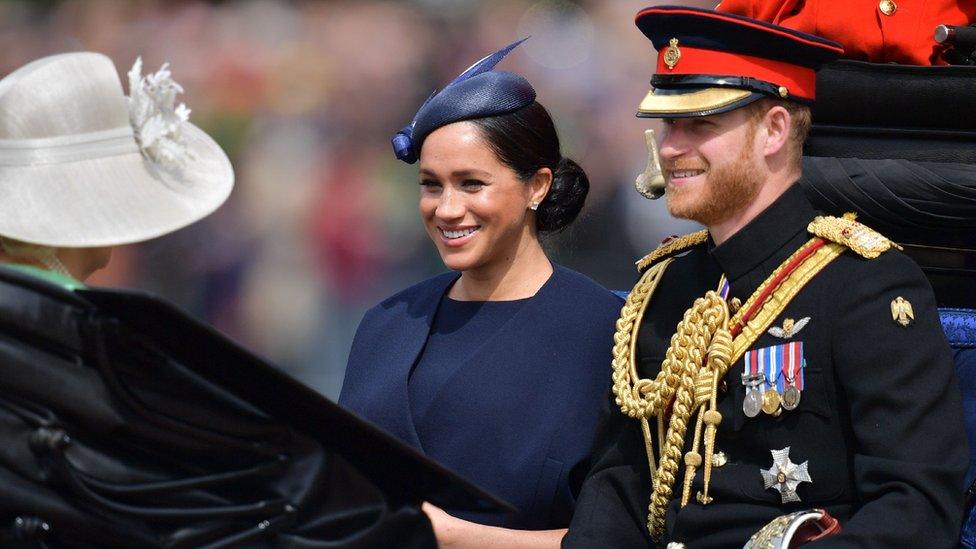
x=879, y=421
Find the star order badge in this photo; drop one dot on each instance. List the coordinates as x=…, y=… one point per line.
x=785, y=475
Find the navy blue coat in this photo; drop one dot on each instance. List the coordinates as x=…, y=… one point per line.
x=517, y=416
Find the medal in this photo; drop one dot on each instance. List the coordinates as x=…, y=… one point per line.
x=791, y=397
x=770, y=402
x=773, y=377
x=752, y=403
x=763, y=367
x=792, y=372
x=753, y=380
x=785, y=476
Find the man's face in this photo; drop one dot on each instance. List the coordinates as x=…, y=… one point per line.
x=712, y=164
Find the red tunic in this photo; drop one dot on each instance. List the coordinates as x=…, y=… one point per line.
x=882, y=31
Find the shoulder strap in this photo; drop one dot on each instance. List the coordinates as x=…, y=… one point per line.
x=671, y=247
x=852, y=234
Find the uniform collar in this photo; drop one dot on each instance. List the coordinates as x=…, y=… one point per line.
x=765, y=235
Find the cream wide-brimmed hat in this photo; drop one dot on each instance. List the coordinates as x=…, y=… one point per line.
x=82, y=165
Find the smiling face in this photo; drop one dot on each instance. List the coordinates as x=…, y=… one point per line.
x=475, y=209
x=713, y=166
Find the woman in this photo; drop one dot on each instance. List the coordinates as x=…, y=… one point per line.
x=84, y=168
x=498, y=369
x=119, y=424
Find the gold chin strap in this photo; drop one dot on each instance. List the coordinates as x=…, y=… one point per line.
x=700, y=354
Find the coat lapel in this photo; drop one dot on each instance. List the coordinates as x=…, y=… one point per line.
x=402, y=351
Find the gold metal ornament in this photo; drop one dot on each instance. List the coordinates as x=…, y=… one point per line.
x=691, y=102
x=672, y=246
x=860, y=238
x=672, y=55
x=901, y=311
x=784, y=92
x=651, y=183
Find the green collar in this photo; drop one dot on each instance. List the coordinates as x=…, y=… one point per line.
x=57, y=279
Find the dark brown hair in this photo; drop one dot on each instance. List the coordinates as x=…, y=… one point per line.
x=526, y=141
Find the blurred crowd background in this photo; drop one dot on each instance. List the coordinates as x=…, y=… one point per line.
x=304, y=97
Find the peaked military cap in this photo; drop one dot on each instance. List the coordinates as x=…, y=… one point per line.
x=711, y=62
x=477, y=92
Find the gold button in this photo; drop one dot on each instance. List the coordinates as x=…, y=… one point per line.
x=783, y=92
x=888, y=7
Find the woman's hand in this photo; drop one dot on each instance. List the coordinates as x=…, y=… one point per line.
x=447, y=529
x=455, y=533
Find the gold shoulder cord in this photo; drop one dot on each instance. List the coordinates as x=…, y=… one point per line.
x=700, y=354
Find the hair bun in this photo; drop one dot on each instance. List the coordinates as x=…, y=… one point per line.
x=565, y=198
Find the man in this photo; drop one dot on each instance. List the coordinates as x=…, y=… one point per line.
x=808, y=368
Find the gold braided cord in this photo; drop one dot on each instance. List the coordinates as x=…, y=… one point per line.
x=628, y=387
x=627, y=382
x=672, y=246
x=700, y=354
x=864, y=240
x=777, y=301
x=649, y=449
x=685, y=360
x=720, y=360
x=693, y=459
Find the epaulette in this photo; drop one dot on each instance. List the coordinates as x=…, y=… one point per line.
x=845, y=231
x=671, y=247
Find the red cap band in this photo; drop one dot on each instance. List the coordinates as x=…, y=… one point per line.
x=799, y=81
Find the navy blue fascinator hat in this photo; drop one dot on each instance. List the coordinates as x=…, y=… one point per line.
x=476, y=93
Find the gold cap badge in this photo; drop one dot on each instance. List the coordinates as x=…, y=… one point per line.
x=672, y=54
